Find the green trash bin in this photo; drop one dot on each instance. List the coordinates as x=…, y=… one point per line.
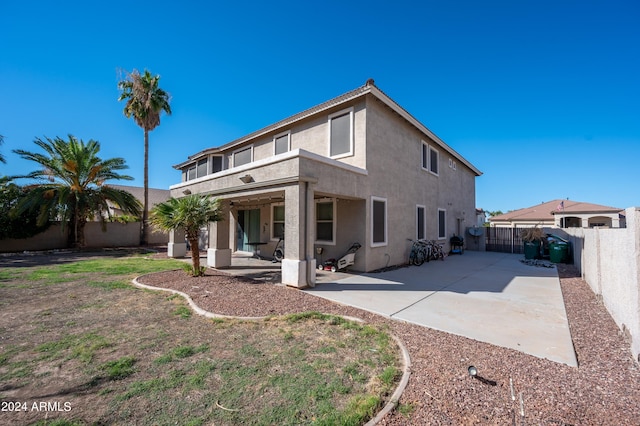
x=531, y=249
x=558, y=252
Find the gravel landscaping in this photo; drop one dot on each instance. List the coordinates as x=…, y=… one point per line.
x=512, y=388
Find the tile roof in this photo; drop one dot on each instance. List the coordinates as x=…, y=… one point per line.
x=545, y=211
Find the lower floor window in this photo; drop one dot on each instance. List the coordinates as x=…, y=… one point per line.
x=325, y=221
x=420, y=223
x=277, y=221
x=378, y=221
x=442, y=223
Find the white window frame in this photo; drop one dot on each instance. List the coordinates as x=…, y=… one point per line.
x=351, y=125
x=440, y=236
x=386, y=219
x=424, y=221
x=193, y=167
x=334, y=221
x=244, y=148
x=278, y=136
x=424, y=147
x=429, y=149
x=272, y=237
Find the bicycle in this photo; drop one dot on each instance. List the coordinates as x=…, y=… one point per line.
x=418, y=252
x=278, y=252
x=436, y=251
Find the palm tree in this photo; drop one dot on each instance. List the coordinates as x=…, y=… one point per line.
x=71, y=185
x=2, y=159
x=145, y=101
x=190, y=213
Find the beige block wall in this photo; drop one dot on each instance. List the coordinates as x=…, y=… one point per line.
x=117, y=235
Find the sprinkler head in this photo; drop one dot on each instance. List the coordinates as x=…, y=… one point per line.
x=473, y=371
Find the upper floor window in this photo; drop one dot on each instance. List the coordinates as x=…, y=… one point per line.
x=430, y=158
x=202, y=168
x=282, y=143
x=341, y=133
x=242, y=156
x=216, y=163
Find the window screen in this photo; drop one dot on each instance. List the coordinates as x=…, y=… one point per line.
x=202, y=168
x=442, y=222
x=379, y=208
x=216, y=164
x=340, y=135
x=278, y=221
x=425, y=156
x=282, y=144
x=242, y=157
x=420, y=225
x=433, y=158
x=324, y=221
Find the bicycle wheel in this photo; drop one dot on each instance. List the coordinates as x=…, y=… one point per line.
x=279, y=255
x=419, y=258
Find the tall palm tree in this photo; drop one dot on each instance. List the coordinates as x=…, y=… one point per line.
x=145, y=101
x=71, y=184
x=190, y=213
x=2, y=159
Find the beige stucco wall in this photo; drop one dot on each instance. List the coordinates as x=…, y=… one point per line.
x=609, y=260
x=386, y=163
x=394, y=165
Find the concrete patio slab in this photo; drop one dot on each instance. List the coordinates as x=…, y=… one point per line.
x=490, y=297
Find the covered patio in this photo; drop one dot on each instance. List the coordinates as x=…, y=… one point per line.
x=268, y=200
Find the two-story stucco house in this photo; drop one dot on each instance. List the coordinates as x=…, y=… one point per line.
x=357, y=168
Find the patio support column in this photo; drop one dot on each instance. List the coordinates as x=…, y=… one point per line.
x=298, y=266
x=177, y=246
x=219, y=253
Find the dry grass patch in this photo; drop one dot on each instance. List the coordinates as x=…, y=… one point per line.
x=79, y=337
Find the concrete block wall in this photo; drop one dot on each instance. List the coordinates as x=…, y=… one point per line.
x=609, y=261
x=116, y=235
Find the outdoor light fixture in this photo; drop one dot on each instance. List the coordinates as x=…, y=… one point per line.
x=187, y=192
x=246, y=178
x=473, y=371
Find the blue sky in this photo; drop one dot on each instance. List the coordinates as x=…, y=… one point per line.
x=542, y=96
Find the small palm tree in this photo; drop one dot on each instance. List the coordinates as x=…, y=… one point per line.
x=145, y=101
x=190, y=213
x=71, y=185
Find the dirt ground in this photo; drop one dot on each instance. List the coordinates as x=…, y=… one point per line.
x=57, y=338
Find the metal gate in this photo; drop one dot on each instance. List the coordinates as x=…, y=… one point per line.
x=504, y=240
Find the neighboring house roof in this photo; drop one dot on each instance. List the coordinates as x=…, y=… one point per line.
x=544, y=212
x=156, y=196
x=368, y=88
